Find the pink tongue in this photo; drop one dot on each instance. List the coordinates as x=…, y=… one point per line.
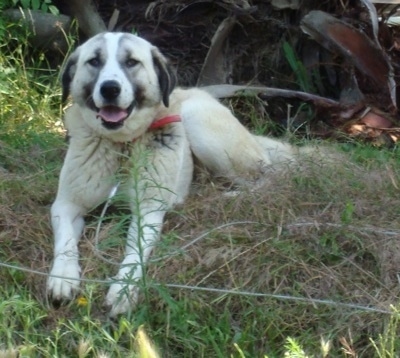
x=112, y=114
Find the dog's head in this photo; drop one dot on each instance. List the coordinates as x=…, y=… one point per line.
x=116, y=74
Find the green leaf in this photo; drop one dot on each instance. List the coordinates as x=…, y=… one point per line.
x=290, y=55
x=54, y=10
x=25, y=4
x=298, y=68
x=35, y=4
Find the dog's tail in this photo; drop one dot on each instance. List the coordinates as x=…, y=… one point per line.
x=281, y=153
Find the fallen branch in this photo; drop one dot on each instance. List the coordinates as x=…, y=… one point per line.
x=47, y=31
x=224, y=91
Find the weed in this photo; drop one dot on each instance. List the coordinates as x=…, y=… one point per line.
x=306, y=84
x=388, y=344
x=302, y=76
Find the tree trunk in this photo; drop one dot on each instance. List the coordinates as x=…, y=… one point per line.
x=88, y=18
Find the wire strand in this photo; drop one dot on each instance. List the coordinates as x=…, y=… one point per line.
x=312, y=301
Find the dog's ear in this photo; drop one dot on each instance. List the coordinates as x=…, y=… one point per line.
x=166, y=75
x=68, y=74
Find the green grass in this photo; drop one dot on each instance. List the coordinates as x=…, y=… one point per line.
x=313, y=241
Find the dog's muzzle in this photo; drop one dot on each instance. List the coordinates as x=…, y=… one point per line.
x=111, y=115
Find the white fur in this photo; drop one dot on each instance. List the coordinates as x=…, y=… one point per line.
x=208, y=130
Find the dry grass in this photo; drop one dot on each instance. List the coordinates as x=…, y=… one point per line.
x=319, y=232
x=314, y=234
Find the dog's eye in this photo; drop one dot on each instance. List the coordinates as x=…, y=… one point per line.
x=130, y=62
x=95, y=62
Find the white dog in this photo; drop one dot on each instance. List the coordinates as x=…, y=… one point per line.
x=124, y=101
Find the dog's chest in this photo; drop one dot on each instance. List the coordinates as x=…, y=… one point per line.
x=93, y=167
x=90, y=169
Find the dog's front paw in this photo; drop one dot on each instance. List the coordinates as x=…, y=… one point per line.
x=121, y=298
x=63, y=281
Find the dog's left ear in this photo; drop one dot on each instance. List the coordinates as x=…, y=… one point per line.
x=166, y=75
x=68, y=74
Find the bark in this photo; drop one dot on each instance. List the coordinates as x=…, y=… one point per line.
x=89, y=20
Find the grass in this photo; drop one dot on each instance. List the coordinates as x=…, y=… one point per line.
x=281, y=272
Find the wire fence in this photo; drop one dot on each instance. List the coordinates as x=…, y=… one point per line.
x=222, y=291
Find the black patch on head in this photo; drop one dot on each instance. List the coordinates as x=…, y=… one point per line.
x=88, y=95
x=139, y=96
x=166, y=75
x=67, y=75
x=97, y=56
x=69, y=71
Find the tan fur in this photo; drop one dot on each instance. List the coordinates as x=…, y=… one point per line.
x=208, y=130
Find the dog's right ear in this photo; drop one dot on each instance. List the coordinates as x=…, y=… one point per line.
x=68, y=74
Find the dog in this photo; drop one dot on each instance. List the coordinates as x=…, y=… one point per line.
x=125, y=106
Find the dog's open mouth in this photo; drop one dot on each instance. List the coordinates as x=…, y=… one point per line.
x=113, y=117
x=112, y=114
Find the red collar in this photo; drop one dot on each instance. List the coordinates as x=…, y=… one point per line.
x=158, y=123
x=164, y=121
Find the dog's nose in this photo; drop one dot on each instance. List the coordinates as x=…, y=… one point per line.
x=110, y=90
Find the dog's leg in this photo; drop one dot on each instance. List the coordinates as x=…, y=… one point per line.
x=67, y=221
x=86, y=179
x=219, y=140
x=143, y=235
x=224, y=145
x=163, y=181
